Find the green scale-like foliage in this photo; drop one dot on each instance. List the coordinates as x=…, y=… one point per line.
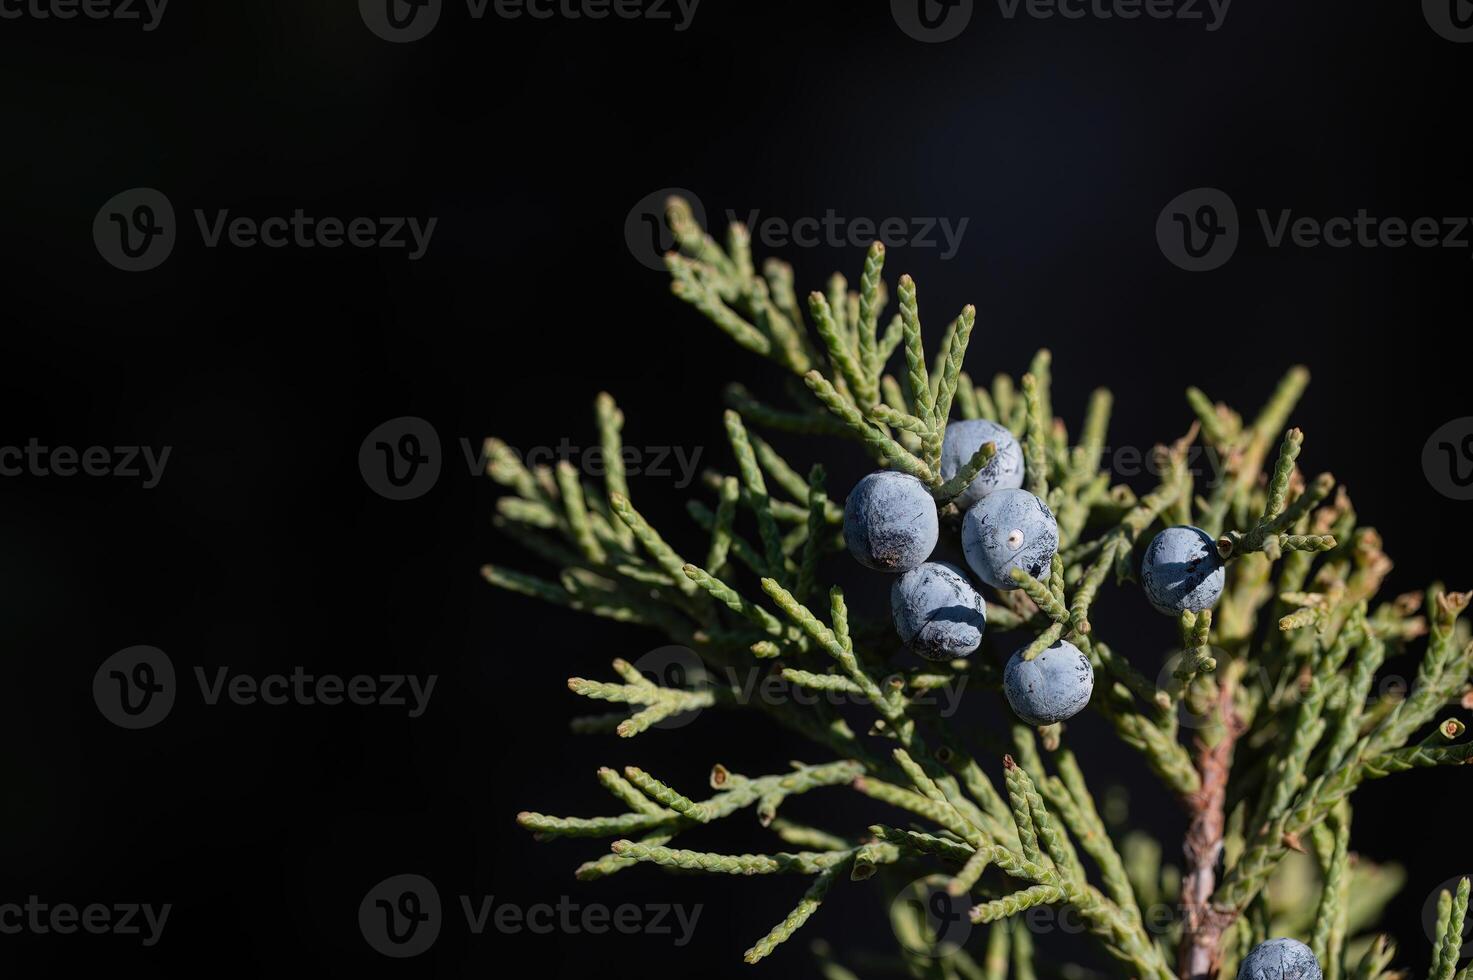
x=1278, y=674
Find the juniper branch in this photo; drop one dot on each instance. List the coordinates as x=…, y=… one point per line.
x=1307, y=735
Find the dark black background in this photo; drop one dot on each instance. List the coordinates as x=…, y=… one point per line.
x=262, y=548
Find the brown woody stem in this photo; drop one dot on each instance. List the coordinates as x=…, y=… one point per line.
x=1203, y=924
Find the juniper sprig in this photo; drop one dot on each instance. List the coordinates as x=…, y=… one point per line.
x=1276, y=672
